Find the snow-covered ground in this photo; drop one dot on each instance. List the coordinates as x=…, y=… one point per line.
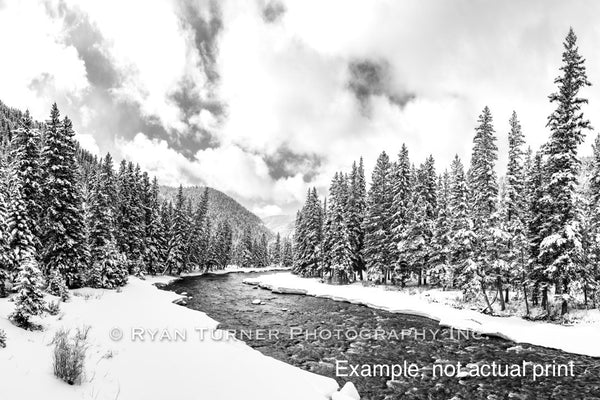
x=234, y=268
x=128, y=369
x=581, y=338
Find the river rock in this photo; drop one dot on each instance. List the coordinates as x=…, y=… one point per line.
x=256, y=302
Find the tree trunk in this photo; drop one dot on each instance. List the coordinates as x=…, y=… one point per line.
x=487, y=301
x=525, y=297
x=506, y=295
x=499, y=288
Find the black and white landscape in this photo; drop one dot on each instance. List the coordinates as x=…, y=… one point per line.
x=292, y=199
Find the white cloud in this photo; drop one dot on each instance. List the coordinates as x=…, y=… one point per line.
x=36, y=65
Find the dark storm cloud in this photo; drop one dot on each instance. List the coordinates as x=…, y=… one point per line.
x=286, y=163
x=273, y=11
x=372, y=78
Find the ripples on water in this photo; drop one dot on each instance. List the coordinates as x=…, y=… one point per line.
x=226, y=299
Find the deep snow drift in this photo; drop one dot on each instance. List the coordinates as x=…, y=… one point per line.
x=151, y=369
x=581, y=338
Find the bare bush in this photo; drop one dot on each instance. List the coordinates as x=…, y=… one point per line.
x=2, y=339
x=69, y=354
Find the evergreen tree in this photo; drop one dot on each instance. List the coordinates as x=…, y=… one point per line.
x=560, y=250
x=310, y=236
x=26, y=167
x=377, y=222
x=356, y=205
x=461, y=227
x=21, y=242
x=276, y=253
x=338, y=256
x=63, y=236
x=29, y=301
x=484, y=195
x=442, y=272
x=5, y=264
x=176, y=251
x=402, y=192
x=516, y=207
x=287, y=257
x=154, y=241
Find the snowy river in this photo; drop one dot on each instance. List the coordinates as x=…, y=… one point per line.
x=342, y=340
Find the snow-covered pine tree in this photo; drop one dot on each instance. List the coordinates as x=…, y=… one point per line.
x=276, y=253
x=29, y=301
x=484, y=194
x=310, y=237
x=108, y=266
x=441, y=272
x=516, y=209
x=247, y=251
x=200, y=232
x=538, y=214
x=378, y=217
x=154, y=241
x=357, y=193
x=560, y=250
x=5, y=280
x=461, y=227
x=402, y=192
x=176, y=252
x=21, y=242
x=222, y=245
x=63, y=234
x=337, y=236
x=593, y=218
x=25, y=160
x=287, y=257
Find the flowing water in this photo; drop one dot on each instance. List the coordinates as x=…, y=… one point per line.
x=312, y=333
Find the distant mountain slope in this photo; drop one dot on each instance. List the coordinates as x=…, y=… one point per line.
x=284, y=224
x=221, y=207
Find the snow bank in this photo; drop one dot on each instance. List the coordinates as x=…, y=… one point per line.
x=234, y=268
x=158, y=369
x=581, y=338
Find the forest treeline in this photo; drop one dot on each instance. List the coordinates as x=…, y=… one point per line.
x=69, y=219
x=534, y=234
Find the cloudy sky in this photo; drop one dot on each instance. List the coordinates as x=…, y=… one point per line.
x=263, y=98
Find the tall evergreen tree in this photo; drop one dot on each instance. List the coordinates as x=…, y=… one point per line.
x=377, y=222
x=560, y=250
x=484, y=194
x=26, y=166
x=63, y=237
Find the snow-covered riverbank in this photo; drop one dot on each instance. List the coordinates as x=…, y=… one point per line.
x=127, y=369
x=581, y=338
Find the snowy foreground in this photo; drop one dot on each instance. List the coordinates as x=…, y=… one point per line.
x=130, y=369
x=581, y=338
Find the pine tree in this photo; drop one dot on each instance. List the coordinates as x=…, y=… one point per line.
x=402, y=192
x=377, y=222
x=462, y=236
x=516, y=207
x=357, y=193
x=287, y=257
x=63, y=236
x=338, y=254
x=560, y=250
x=247, y=249
x=5, y=264
x=309, y=234
x=29, y=301
x=442, y=272
x=176, y=252
x=277, y=250
x=484, y=194
x=26, y=167
x=154, y=241
x=21, y=242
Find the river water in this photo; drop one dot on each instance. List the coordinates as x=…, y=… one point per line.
x=312, y=333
